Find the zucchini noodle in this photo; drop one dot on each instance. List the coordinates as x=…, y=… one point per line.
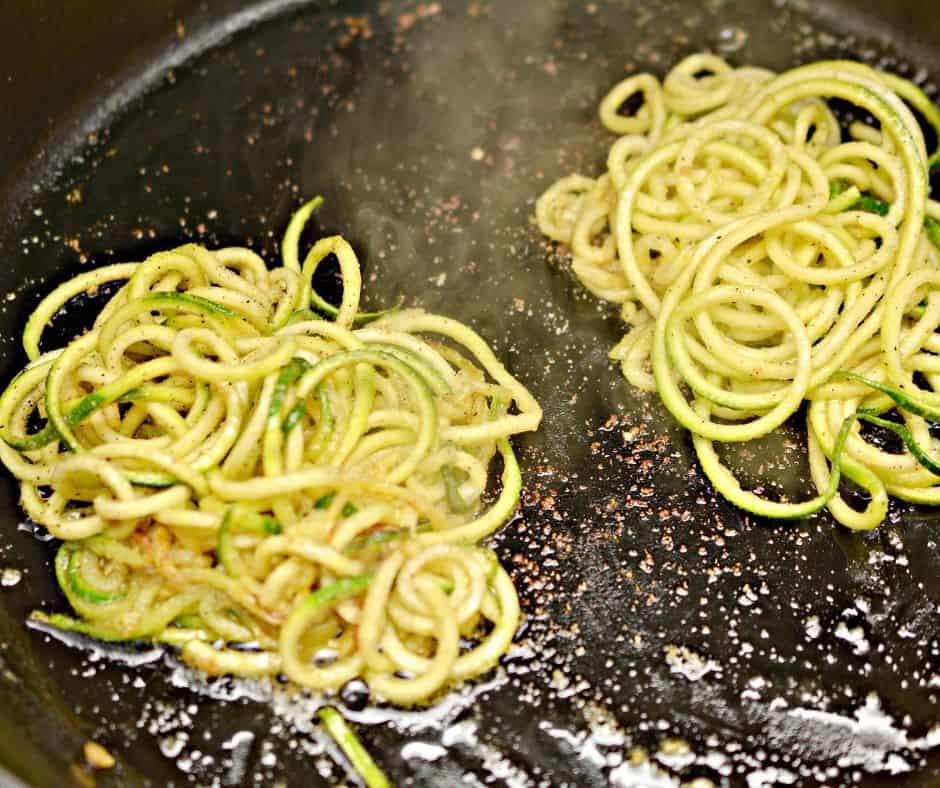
x=766, y=253
x=272, y=484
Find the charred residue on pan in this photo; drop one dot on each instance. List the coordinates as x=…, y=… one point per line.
x=668, y=637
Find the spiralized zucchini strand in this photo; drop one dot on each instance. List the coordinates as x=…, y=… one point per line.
x=764, y=255
x=242, y=470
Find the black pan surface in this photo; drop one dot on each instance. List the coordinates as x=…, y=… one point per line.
x=657, y=616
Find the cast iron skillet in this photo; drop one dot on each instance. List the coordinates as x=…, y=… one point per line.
x=811, y=654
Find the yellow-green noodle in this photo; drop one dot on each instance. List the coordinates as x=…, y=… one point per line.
x=761, y=249
x=270, y=483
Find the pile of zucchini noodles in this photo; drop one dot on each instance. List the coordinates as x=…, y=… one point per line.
x=765, y=253
x=274, y=484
